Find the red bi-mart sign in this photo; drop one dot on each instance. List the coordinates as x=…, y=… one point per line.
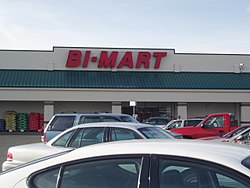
x=109, y=59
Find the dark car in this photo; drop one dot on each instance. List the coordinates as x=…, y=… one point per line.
x=158, y=121
x=241, y=135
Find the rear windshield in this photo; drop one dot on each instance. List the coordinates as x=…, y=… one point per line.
x=128, y=119
x=61, y=123
x=89, y=119
x=155, y=133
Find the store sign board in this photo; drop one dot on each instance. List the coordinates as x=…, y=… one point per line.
x=132, y=103
x=115, y=59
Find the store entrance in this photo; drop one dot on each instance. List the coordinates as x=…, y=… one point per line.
x=147, y=110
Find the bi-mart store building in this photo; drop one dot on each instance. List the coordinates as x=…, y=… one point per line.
x=160, y=81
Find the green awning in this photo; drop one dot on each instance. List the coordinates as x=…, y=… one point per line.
x=123, y=79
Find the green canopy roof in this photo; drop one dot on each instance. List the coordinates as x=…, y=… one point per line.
x=123, y=79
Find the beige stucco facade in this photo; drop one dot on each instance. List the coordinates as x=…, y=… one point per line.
x=185, y=103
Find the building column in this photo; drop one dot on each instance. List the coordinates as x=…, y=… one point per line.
x=182, y=110
x=117, y=107
x=48, y=111
x=245, y=113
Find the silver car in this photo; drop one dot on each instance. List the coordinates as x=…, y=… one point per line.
x=241, y=135
x=60, y=122
x=178, y=123
x=168, y=163
x=83, y=135
x=158, y=121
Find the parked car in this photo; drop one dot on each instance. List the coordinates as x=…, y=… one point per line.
x=83, y=135
x=213, y=125
x=175, y=135
x=142, y=164
x=178, y=123
x=158, y=121
x=61, y=122
x=241, y=135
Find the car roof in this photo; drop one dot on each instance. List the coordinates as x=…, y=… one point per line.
x=114, y=114
x=222, y=153
x=91, y=114
x=187, y=119
x=127, y=125
x=182, y=120
x=113, y=124
x=192, y=148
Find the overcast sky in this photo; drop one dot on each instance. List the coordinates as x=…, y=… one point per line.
x=207, y=26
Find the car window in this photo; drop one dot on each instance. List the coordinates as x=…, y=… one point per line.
x=246, y=162
x=105, y=173
x=151, y=121
x=174, y=173
x=246, y=135
x=89, y=119
x=123, y=134
x=87, y=136
x=234, y=132
x=244, y=138
x=128, y=119
x=214, y=122
x=191, y=122
x=161, y=122
x=155, y=133
x=227, y=181
x=233, y=120
x=92, y=174
x=61, y=123
x=175, y=124
x=62, y=141
x=110, y=119
x=46, y=179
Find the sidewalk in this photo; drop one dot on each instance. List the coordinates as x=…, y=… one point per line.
x=21, y=133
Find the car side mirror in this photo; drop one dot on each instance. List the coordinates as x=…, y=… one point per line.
x=239, y=137
x=204, y=126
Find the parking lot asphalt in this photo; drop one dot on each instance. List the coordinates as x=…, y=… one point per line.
x=13, y=139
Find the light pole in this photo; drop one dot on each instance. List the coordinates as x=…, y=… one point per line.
x=133, y=104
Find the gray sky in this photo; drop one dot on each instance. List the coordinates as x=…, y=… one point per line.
x=207, y=26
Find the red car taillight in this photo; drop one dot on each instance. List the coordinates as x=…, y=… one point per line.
x=9, y=157
x=236, y=140
x=44, y=137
